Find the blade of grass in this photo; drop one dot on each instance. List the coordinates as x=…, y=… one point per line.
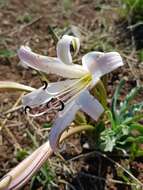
x=8, y=85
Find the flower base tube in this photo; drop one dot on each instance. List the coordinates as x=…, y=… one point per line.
x=18, y=176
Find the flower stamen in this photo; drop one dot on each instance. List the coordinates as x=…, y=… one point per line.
x=27, y=109
x=54, y=103
x=45, y=85
x=59, y=99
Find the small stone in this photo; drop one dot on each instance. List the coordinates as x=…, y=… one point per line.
x=86, y=146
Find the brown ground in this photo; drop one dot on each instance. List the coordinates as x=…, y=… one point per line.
x=27, y=22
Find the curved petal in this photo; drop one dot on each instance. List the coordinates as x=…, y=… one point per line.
x=100, y=64
x=61, y=123
x=89, y=60
x=90, y=105
x=49, y=64
x=22, y=63
x=63, y=48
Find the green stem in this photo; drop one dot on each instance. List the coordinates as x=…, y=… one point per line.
x=75, y=130
x=134, y=119
x=100, y=92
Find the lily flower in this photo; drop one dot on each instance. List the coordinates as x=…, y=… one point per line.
x=73, y=93
x=66, y=97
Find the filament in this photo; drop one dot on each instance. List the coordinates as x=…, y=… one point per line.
x=60, y=99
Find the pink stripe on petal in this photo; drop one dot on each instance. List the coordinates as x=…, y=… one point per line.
x=34, y=60
x=100, y=64
x=27, y=168
x=49, y=64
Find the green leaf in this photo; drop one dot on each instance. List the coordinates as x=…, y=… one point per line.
x=67, y=4
x=26, y=18
x=111, y=119
x=138, y=139
x=137, y=126
x=101, y=92
x=136, y=118
x=108, y=140
x=80, y=118
x=7, y=53
x=140, y=55
x=135, y=108
x=115, y=98
x=125, y=130
x=108, y=143
x=21, y=154
x=130, y=96
x=47, y=125
x=44, y=177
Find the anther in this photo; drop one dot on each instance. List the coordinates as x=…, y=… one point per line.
x=27, y=108
x=58, y=101
x=62, y=105
x=45, y=85
x=48, y=103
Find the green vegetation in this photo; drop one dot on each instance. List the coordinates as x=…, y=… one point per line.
x=7, y=53
x=133, y=8
x=123, y=129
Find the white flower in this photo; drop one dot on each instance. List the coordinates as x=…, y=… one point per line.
x=73, y=93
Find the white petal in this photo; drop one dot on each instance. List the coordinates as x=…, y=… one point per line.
x=22, y=63
x=41, y=96
x=61, y=123
x=89, y=60
x=100, y=64
x=90, y=105
x=63, y=48
x=49, y=64
x=36, y=98
x=60, y=86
